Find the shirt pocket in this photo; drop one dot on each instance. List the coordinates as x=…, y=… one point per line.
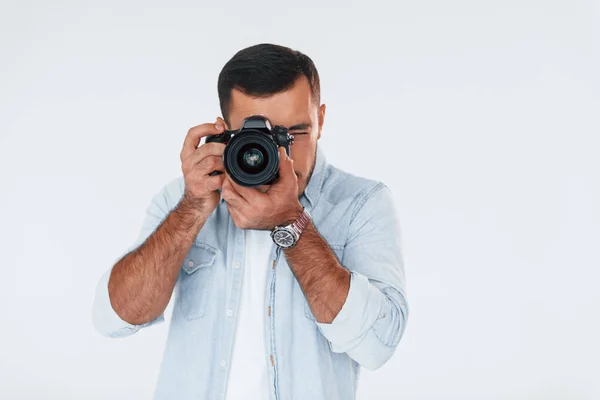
x=338, y=250
x=196, y=280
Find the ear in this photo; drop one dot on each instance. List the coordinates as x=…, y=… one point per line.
x=321, y=113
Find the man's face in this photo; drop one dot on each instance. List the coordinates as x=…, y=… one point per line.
x=293, y=109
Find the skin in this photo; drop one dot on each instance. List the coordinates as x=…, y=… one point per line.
x=324, y=281
x=142, y=282
x=290, y=108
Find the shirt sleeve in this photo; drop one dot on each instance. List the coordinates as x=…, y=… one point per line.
x=105, y=319
x=373, y=318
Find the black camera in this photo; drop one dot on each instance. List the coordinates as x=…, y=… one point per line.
x=251, y=155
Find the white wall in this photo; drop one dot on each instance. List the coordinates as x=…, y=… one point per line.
x=481, y=116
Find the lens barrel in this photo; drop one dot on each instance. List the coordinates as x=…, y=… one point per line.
x=251, y=158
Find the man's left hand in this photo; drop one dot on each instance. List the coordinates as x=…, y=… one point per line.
x=278, y=206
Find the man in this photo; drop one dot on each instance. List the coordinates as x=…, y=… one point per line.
x=251, y=319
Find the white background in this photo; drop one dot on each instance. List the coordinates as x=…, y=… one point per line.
x=482, y=117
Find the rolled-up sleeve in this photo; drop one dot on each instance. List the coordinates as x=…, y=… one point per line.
x=104, y=317
x=373, y=318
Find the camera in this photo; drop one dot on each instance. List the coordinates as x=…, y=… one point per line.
x=251, y=154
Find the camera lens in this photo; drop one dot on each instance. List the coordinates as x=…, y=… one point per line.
x=253, y=158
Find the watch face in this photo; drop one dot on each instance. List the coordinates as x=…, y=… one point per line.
x=283, y=238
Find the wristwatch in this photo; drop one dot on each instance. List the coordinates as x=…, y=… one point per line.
x=287, y=236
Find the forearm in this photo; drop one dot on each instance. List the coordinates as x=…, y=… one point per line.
x=142, y=282
x=323, y=280
x=361, y=318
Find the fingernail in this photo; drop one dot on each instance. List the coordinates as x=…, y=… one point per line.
x=218, y=126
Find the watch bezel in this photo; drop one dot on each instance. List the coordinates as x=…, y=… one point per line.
x=290, y=229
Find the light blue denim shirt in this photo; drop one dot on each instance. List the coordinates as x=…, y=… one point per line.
x=307, y=359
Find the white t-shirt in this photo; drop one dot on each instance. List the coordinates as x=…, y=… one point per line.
x=249, y=370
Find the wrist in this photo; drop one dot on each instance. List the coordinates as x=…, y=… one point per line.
x=195, y=209
x=292, y=215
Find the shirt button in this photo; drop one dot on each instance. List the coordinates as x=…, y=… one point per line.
x=223, y=363
x=190, y=263
x=229, y=312
x=236, y=264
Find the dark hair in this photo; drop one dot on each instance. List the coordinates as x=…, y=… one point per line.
x=263, y=70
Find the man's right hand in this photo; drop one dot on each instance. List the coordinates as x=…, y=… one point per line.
x=201, y=189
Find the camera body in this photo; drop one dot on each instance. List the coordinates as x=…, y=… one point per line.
x=251, y=154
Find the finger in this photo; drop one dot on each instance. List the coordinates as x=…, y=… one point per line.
x=202, y=152
x=208, y=165
x=237, y=217
x=230, y=195
x=286, y=164
x=287, y=176
x=250, y=194
x=214, y=182
x=222, y=122
x=192, y=139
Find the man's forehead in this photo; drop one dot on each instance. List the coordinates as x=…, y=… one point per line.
x=288, y=108
x=292, y=118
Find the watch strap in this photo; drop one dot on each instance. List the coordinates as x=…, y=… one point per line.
x=300, y=224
